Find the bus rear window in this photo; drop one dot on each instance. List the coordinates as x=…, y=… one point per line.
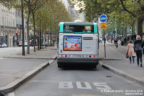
x=78, y=28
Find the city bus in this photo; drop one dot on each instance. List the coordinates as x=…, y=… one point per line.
x=78, y=44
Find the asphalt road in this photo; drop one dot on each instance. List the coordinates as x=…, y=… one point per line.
x=53, y=81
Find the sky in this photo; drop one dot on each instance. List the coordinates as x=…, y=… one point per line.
x=81, y=15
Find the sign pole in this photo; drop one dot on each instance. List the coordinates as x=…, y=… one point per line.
x=104, y=44
x=103, y=19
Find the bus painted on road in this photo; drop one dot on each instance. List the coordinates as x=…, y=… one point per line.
x=78, y=44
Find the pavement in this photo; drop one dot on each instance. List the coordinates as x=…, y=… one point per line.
x=117, y=62
x=15, y=69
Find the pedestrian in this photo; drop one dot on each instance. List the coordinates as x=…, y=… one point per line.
x=138, y=49
x=133, y=40
x=130, y=51
x=143, y=45
x=116, y=43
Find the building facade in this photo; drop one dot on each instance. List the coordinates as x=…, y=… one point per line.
x=10, y=26
x=7, y=25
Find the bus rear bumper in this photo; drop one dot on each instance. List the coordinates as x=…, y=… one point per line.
x=77, y=61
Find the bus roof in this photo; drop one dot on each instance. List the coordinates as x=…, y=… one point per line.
x=77, y=23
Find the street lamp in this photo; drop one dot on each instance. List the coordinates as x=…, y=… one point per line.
x=22, y=16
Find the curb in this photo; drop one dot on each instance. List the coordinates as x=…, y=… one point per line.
x=15, y=84
x=20, y=57
x=123, y=74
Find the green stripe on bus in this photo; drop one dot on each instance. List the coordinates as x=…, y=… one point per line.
x=61, y=28
x=95, y=29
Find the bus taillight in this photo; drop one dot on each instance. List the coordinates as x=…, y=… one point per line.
x=63, y=55
x=93, y=56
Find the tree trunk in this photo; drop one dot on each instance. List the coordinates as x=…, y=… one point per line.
x=29, y=12
x=40, y=39
x=33, y=15
x=45, y=38
x=140, y=20
x=133, y=27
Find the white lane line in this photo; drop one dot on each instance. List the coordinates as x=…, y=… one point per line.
x=11, y=94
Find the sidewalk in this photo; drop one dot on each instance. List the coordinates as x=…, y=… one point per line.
x=115, y=61
x=16, y=69
x=39, y=54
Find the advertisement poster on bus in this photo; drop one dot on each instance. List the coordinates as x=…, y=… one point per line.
x=72, y=43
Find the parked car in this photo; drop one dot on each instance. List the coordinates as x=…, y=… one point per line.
x=45, y=43
x=3, y=45
x=25, y=43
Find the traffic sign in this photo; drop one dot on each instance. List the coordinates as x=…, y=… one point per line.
x=103, y=25
x=103, y=18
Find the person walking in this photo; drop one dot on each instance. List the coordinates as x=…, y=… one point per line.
x=133, y=40
x=116, y=43
x=143, y=45
x=138, y=45
x=131, y=52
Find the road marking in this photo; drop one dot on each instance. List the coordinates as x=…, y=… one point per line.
x=11, y=94
x=85, y=95
x=67, y=84
x=101, y=86
x=83, y=85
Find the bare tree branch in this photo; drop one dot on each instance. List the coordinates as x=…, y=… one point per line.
x=127, y=9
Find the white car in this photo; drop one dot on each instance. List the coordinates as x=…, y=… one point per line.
x=25, y=43
x=4, y=45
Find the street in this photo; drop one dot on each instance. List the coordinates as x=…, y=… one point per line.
x=53, y=81
x=40, y=38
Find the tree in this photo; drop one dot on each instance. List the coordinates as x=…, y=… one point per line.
x=52, y=15
x=124, y=11
x=42, y=14
x=7, y=2
x=48, y=17
x=136, y=11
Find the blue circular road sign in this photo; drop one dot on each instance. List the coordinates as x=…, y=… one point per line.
x=103, y=18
